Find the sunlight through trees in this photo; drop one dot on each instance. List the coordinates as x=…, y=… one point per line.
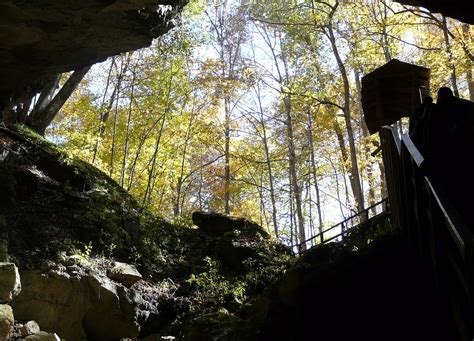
x=253, y=108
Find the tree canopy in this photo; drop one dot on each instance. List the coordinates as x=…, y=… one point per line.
x=254, y=109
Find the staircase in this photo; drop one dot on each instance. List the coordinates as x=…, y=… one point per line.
x=439, y=241
x=431, y=265
x=333, y=293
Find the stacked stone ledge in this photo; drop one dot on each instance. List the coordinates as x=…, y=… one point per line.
x=10, y=287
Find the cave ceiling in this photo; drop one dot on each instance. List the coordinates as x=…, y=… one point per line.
x=462, y=10
x=40, y=38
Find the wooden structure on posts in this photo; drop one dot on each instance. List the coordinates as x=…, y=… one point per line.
x=392, y=91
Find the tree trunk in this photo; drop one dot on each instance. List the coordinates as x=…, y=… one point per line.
x=314, y=173
x=46, y=95
x=469, y=78
x=179, y=185
x=385, y=41
x=293, y=171
x=268, y=164
x=146, y=132
x=127, y=134
x=365, y=133
x=452, y=66
x=123, y=67
x=354, y=170
x=42, y=119
x=291, y=148
x=23, y=114
x=229, y=35
x=227, y=156
x=151, y=172
x=201, y=180
x=104, y=114
x=293, y=239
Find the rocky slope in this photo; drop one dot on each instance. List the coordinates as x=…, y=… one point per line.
x=68, y=227
x=94, y=265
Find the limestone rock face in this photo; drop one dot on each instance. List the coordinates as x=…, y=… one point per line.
x=113, y=313
x=6, y=321
x=40, y=38
x=10, y=285
x=78, y=307
x=124, y=273
x=33, y=174
x=55, y=301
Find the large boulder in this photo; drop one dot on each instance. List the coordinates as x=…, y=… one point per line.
x=29, y=328
x=218, y=224
x=6, y=321
x=10, y=285
x=238, y=238
x=56, y=301
x=113, y=313
x=83, y=305
x=124, y=273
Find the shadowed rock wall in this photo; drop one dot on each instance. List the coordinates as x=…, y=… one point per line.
x=462, y=10
x=40, y=38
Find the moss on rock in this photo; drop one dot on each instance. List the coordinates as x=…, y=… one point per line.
x=56, y=206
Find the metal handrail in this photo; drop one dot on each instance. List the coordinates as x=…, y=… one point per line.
x=344, y=226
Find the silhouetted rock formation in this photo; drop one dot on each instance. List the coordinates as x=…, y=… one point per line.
x=218, y=224
x=459, y=9
x=335, y=293
x=40, y=38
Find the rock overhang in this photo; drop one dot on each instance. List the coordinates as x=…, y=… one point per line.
x=462, y=10
x=40, y=38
